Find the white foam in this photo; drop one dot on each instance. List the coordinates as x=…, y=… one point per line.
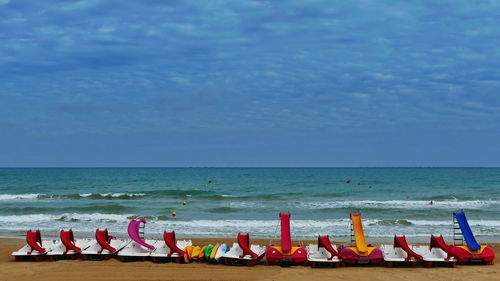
x=382, y=204
x=64, y=217
x=87, y=223
x=401, y=204
x=109, y=194
x=29, y=196
x=19, y=196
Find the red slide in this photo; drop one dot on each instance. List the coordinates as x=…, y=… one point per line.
x=169, y=238
x=286, y=241
x=34, y=240
x=400, y=241
x=438, y=242
x=244, y=243
x=68, y=240
x=324, y=242
x=104, y=239
x=286, y=255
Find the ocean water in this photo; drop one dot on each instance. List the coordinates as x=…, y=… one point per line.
x=224, y=201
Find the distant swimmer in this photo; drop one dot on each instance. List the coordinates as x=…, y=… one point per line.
x=209, y=181
x=348, y=181
x=431, y=202
x=370, y=186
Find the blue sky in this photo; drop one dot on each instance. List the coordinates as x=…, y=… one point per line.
x=249, y=83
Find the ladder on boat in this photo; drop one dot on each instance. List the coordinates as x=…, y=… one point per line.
x=458, y=237
x=353, y=238
x=142, y=226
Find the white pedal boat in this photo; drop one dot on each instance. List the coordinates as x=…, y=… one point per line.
x=163, y=253
x=135, y=251
x=323, y=254
x=400, y=252
x=243, y=253
x=35, y=249
x=104, y=246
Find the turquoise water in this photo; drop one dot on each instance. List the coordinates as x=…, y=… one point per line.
x=224, y=201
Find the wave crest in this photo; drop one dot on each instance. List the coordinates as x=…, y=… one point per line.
x=41, y=196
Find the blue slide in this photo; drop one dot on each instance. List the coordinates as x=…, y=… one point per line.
x=467, y=232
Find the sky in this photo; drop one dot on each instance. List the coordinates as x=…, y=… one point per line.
x=95, y=83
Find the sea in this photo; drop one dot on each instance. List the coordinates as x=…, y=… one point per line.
x=220, y=202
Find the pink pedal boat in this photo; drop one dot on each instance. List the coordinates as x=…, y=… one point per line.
x=359, y=252
x=286, y=254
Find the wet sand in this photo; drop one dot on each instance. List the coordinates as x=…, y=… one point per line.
x=116, y=270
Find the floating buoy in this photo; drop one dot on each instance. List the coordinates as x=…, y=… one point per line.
x=184, y=203
x=174, y=214
x=348, y=181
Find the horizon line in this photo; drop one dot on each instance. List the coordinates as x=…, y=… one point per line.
x=233, y=167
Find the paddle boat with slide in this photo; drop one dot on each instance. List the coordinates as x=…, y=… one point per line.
x=323, y=254
x=170, y=250
x=472, y=251
x=139, y=248
x=35, y=249
x=286, y=254
x=104, y=246
x=359, y=252
x=401, y=253
x=68, y=247
x=437, y=253
x=244, y=253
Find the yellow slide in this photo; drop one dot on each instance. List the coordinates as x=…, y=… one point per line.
x=360, y=253
x=359, y=235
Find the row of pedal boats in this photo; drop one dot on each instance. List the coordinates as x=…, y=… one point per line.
x=242, y=252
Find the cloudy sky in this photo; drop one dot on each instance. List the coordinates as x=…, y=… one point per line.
x=249, y=83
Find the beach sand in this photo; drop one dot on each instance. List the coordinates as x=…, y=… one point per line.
x=116, y=270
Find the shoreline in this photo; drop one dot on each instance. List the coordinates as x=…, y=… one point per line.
x=335, y=238
x=116, y=270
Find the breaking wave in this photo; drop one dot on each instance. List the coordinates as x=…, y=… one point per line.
x=303, y=229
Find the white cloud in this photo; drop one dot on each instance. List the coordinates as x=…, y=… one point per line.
x=4, y=2
x=360, y=95
x=106, y=29
x=382, y=76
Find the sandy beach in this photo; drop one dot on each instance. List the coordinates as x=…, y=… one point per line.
x=116, y=270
